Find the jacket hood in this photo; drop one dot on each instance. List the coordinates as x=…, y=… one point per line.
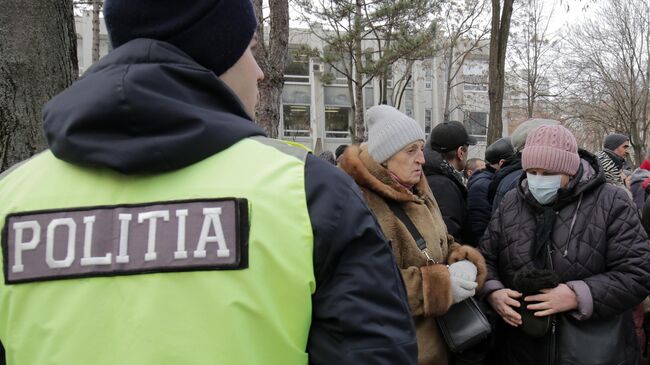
x=146, y=107
x=432, y=160
x=512, y=164
x=589, y=177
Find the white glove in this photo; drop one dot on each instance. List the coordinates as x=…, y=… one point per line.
x=463, y=280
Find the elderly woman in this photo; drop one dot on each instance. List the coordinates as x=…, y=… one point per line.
x=566, y=256
x=389, y=171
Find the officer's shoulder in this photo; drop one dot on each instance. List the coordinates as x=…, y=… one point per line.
x=14, y=168
x=288, y=148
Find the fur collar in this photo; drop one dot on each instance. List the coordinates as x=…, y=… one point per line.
x=368, y=173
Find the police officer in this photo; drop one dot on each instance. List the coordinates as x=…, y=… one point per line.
x=162, y=227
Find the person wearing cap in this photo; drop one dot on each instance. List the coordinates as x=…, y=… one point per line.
x=446, y=156
x=388, y=168
x=507, y=177
x=564, y=219
x=479, y=208
x=163, y=227
x=615, y=148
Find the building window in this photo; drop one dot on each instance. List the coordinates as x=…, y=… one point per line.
x=297, y=69
x=474, y=83
x=337, y=122
x=296, y=116
x=428, y=77
x=338, y=112
x=408, y=102
x=475, y=75
x=476, y=124
x=337, y=65
x=427, y=120
x=296, y=120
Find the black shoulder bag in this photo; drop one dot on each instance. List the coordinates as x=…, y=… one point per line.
x=464, y=325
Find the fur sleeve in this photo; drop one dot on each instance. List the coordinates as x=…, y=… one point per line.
x=428, y=289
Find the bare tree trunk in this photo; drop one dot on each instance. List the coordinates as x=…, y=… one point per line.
x=449, y=63
x=97, y=5
x=272, y=58
x=38, y=59
x=360, y=127
x=498, y=43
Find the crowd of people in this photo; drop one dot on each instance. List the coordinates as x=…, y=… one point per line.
x=559, y=230
x=163, y=227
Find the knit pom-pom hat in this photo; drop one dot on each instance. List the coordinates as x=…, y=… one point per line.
x=552, y=148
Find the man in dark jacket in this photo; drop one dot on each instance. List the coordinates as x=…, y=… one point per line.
x=479, y=208
x=446, y=154
x=165, y=121
x=563, y=218
x=508, y=177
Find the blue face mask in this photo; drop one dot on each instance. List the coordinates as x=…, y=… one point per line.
x=544, y=187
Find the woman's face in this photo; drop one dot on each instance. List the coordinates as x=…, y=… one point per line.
x=407, y=163
x=564, y=181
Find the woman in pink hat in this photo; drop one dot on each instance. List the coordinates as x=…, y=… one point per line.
x=567, y=260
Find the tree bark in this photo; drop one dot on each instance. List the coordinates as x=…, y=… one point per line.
x=448, y=87
x=360, y=127
x=97, y=5
x=498, y=45
x=38, y=59
x=272, y=58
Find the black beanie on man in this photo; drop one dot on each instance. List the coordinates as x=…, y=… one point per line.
x=614, y=141
x=215, y=33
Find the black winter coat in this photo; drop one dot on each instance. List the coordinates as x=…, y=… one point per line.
x=505, y=180
x=450, y=194
x=479, y=208
x=607, y=249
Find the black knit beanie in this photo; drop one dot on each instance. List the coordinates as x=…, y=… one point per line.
x=215, y=33
x=614, y=141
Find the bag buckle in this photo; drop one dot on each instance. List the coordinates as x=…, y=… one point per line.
x=430, y=261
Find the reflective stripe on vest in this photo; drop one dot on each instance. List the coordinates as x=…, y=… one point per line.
x=257, y=315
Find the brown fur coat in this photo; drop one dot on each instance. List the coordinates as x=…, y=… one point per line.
x=428, y=286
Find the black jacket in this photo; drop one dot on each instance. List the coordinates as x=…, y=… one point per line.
x=450, y=193
x=147, y=108
x=596, y=242
x=479, y=208
x=505, y=180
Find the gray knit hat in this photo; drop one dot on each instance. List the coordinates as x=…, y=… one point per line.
x=614, y=141
x=390, y=130
x=521, y=133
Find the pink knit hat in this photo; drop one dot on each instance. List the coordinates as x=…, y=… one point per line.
x=553, y=148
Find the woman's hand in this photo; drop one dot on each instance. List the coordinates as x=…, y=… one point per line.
x=556, y=300
x=502, y=301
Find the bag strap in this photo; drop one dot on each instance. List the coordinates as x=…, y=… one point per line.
x=402, y=216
